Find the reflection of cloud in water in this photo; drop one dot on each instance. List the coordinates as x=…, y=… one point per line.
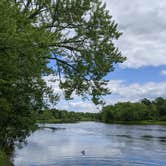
x=102, y=143
x=46, y=146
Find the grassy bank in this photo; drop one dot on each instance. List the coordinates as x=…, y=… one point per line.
x=5, y=160
x=143, y=122
x=57, y=121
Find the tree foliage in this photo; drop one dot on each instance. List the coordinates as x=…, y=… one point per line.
x=75, y=35
x=127, y=111
x=145, y=110
x=79, y=35
x=56, y=116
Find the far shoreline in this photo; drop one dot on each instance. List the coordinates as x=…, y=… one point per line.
x=144, y=122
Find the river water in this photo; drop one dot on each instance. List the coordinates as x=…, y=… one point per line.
x=94, y=144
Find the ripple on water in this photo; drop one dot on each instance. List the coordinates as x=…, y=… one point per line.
x=104, y=145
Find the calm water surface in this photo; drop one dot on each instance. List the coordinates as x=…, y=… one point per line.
x=103, y=144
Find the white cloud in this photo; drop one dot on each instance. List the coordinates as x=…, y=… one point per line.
x=121, y=92
x=52, y=81
x=144, y=34
x=143, y=43
x=77, y=104
x=163, y=72
x=134, y=92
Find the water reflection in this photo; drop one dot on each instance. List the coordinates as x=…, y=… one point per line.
x=121, y=145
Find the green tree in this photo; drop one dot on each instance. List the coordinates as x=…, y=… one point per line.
x=107, y=114
x=146, y=101
x=161, y=106
x=152, y=112
x=126, y=111
x=76, y=35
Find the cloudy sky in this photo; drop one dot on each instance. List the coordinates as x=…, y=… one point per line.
x=143, y=42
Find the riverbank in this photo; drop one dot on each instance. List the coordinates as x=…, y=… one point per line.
x=57, y=121
x=5, y=159
x=144, y=122
x=2, y=158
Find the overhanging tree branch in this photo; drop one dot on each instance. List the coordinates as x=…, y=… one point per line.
x=63, y=62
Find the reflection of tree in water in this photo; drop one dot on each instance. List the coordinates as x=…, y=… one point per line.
x=9, y=139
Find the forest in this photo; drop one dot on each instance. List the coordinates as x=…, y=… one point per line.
x=145, y=112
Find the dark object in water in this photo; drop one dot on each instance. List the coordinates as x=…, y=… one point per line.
x=52, y=128
x=83, y=152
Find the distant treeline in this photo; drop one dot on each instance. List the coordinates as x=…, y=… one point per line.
x=58, y=116
x=139, y=111
x=143, y=110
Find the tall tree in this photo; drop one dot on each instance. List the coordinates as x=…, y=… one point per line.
x=160, y=103
x=79, y=34
x=75, y=35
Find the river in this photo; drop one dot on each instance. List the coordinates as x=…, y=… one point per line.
x=94, y=144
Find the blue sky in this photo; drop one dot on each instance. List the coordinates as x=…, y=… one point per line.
x=143, y=42
x=140, y=75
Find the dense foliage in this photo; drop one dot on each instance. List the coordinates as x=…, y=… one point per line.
x=56, y=116
x=145, y=110
x=75, y=35
x=127, y=111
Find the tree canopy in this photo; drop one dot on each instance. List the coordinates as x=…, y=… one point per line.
x=127, y=111
x=75, y=35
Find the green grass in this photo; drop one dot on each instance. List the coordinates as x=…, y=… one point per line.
x=86, y=119
x=57, y=121
x=5, y=160
x=143, y=122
